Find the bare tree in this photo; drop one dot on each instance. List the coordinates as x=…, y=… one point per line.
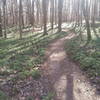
x=33, y=17
x=86, y=17
x=20, y=18
x=0, y=24
x=94, y=9
x=52, y=14
x=4, y=15
x=43, y=12
x=45, y=9
x=60, y=6
x=56, y=10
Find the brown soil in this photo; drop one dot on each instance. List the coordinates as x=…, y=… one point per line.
x=66, y=79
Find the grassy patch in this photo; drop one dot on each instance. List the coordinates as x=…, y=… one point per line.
x=48, y=97
x=88, y=57
x=21, y=59
x=3, y=96
x=21, y=55
x=35, y=73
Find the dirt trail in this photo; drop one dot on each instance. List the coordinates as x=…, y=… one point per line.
x=65, y=76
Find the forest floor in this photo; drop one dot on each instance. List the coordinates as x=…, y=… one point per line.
x=39, y=68
x=66, y=79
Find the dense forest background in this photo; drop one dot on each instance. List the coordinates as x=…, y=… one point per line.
x=18, y=14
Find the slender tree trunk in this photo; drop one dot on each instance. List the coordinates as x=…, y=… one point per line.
x=88, y=31
x=93, y=15
x=33, y=18
x=0, y=24
x=37, y=13
x=4, y=15
x=52, y=14
x=56, y=12
x=20, y=18
x=44, y=6
x=60, y=6
x=86, y=16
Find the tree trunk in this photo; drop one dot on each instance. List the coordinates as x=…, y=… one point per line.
x=33, y=18
x=44, y=6
x=88, y=31
x=55, y=12
x=0, y=24
x=60, y=6
x=20, y=18
x=94, y=8
x=52, y=14
x=86, y=17
x=4, y=15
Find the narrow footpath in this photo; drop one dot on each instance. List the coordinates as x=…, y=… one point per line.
x=66, y=78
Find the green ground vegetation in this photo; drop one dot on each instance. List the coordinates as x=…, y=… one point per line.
x=88, y=56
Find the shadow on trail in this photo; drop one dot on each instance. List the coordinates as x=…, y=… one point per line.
x=60, y=71
x=64, y=76
x=69, y=88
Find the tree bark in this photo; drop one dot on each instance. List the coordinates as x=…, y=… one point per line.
x=20, y=18
x=4, y=15
x=0, y=24
x=52, y=14
x=60, y=6
x=86, y=17
x=33, y=17
x=44, y=6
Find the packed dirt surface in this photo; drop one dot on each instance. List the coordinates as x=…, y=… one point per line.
x=67, y=80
